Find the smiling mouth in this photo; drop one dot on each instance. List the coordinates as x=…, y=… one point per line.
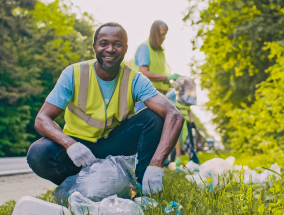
x=110, y=58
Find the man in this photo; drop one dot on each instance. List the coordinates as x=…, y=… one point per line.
x=98, y=98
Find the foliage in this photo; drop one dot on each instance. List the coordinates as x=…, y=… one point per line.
x=234, y=35
x=200, y=126
x=18, y=79
x=37, y=42
x=7, y=208
x=260, y=127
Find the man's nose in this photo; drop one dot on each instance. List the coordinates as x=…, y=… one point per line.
x=110, y=48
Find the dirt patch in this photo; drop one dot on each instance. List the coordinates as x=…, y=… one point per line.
x=14, y=187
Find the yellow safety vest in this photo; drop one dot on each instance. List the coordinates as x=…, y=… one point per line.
x=184, y=110
x=87, y=116
x=158, y=65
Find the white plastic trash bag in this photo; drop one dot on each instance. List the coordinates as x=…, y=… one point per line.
x=230, y=160
x=61, y=193
x=111, y=205
x=111, y=176
x=240, y=168
x=250, y=176
x=201, y=181
x=146, y=202
x=214, y=169
x=266, y=174
x=191, y=166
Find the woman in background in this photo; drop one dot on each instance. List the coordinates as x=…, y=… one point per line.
x=150, y=60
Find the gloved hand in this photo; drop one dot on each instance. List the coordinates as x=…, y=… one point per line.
x=81, y=155
x=153, y=180
x=178, y=161
x=173, y=76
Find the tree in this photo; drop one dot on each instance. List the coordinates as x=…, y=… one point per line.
x=234, y=35
x=260, y=127
x=37, y=41
x=56, y=47
x=18, y=79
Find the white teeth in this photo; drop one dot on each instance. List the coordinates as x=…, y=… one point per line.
x=110, y=57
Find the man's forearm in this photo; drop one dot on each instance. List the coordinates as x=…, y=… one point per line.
x=47, y=128
x=172, y=127
x=154, y=77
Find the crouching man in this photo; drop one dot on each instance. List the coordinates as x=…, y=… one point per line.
x=98, y=97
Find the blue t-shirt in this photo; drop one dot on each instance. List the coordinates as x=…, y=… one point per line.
x=142, y=56
x=62, y=94
x=172, y=96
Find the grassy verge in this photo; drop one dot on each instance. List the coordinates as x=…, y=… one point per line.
x=227, y=198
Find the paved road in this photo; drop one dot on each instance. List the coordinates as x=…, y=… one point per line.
x=17, y=186
x=13, y=165
x=14, y=185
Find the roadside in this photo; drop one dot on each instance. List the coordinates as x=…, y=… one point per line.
x=14, y=187
x=13, y=166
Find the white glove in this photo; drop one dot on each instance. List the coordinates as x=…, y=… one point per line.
x=81, y=155
x=152, y=181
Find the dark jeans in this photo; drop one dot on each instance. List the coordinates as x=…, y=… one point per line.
x=140, y=134
x=189, y=128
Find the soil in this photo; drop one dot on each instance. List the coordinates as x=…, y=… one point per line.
x=14, y=187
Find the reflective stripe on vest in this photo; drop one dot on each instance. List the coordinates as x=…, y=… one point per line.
x=158, y=65
x=118, y=112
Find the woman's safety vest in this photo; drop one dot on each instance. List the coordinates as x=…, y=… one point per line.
x=184, y=110
x=87, y=116
x=158, y=65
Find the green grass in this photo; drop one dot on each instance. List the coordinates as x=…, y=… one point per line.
x=227, y=198
x=232, y=198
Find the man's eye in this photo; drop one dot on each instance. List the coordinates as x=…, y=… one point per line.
x=103, y=44
x=118, y=44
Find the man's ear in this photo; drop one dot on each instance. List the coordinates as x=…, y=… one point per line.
x=94, y=47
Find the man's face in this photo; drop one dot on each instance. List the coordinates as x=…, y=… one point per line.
x=110, y=47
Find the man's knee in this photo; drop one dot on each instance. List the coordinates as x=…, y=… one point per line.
x=152, y=118
x=40, y=154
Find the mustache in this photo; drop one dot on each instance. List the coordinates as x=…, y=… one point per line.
x=108, y=67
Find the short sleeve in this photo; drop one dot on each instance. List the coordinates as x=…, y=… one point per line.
x=142, y=88
x=62, y=93
x=142, y=56
x=172, y=96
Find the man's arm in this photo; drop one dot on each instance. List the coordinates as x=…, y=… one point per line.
x=172, y=126
x=152, y=76
x=46, y=127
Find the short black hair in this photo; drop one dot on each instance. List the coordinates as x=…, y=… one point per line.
x=108, y=24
